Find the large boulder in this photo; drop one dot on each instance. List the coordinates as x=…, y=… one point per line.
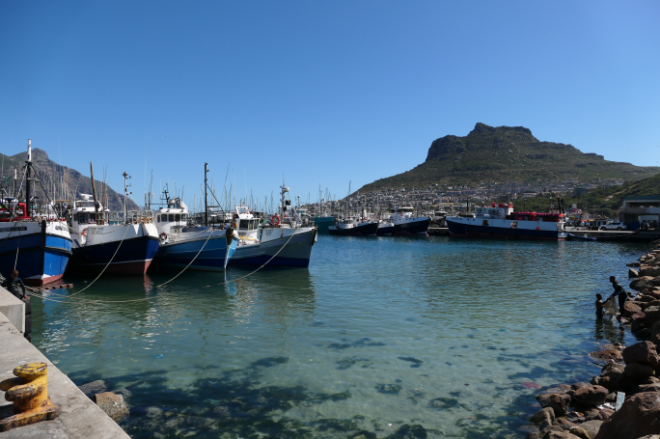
x=638, y=416
x=646, y=305
x=638, y=371
x=649, y=270
x=546, y=415
x=652, y=315
x=590, y=396
x=643, y=352
x=591, y=427
x=642, y=282
x=630, y=308
x=558, y=402
x=612, y=370
x=89, y=389
x=611, y=375
x=112, y=404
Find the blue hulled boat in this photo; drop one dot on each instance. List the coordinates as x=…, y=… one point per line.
x=201, y=247
x=38, y=247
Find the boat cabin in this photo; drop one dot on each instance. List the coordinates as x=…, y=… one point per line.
x=16, y=210
x=174, y=215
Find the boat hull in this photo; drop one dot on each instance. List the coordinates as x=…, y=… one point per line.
x=385, y=231
x=466, y=230
x=211, y=255
x=365, y=229
x=414, y=226
x=39, y=251
x=282, y=251
x=133, y=257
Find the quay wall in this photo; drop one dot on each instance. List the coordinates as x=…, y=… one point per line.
x=13, y=308
x=80, y=417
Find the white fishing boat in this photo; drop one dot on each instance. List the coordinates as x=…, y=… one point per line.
x=407, y=223
x=278, y=243
x=125, y=249
x=354, y=227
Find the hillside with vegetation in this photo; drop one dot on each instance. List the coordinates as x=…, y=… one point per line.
x=604, y=201
x=508, y=154
x=54, y=181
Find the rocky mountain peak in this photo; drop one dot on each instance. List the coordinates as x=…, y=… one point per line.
x=37, y=154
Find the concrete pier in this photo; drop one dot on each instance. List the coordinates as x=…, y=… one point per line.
x=80, y=418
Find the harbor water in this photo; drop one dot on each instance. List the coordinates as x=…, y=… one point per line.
x=377, y=336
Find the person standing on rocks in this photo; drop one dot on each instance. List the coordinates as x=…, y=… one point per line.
x=618, y=292
x=12, y=283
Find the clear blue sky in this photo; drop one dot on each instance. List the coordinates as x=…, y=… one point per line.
x=320, y=92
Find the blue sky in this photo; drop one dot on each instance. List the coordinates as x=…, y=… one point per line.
x=321, y=93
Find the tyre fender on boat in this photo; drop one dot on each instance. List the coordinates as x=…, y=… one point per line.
x=229, y=235
x=163, y=237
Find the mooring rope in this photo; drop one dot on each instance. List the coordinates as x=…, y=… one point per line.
x=81, y=300
x=107, y=265
x=190, y=263
x=18, y=247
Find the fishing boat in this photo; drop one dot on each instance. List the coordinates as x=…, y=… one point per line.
x=279, y=243
x=184, y=244
x=38, y=246
x=407, y=223
x=583, y=237
x=500, y=222
x=125, y=249
x=325, y=220
x=353, y=227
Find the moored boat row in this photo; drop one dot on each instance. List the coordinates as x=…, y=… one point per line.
x=45, y=247
x=402, y=222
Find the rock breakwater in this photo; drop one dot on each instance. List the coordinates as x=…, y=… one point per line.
x=623, y=402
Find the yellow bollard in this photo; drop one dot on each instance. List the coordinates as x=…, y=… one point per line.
x=29, y=391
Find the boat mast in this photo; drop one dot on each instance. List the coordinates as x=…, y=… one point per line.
x=96, y=206
x=206, y=210
x=284, y=191
x=126, y=194
x=28, y=166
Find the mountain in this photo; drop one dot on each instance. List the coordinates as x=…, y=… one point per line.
x=59, y=181
x=508, y=154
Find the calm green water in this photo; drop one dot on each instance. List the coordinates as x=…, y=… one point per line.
x=448, y=334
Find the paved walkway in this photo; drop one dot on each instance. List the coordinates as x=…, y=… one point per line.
x=80, y=417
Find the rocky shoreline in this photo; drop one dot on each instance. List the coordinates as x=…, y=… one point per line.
x=624, y=401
